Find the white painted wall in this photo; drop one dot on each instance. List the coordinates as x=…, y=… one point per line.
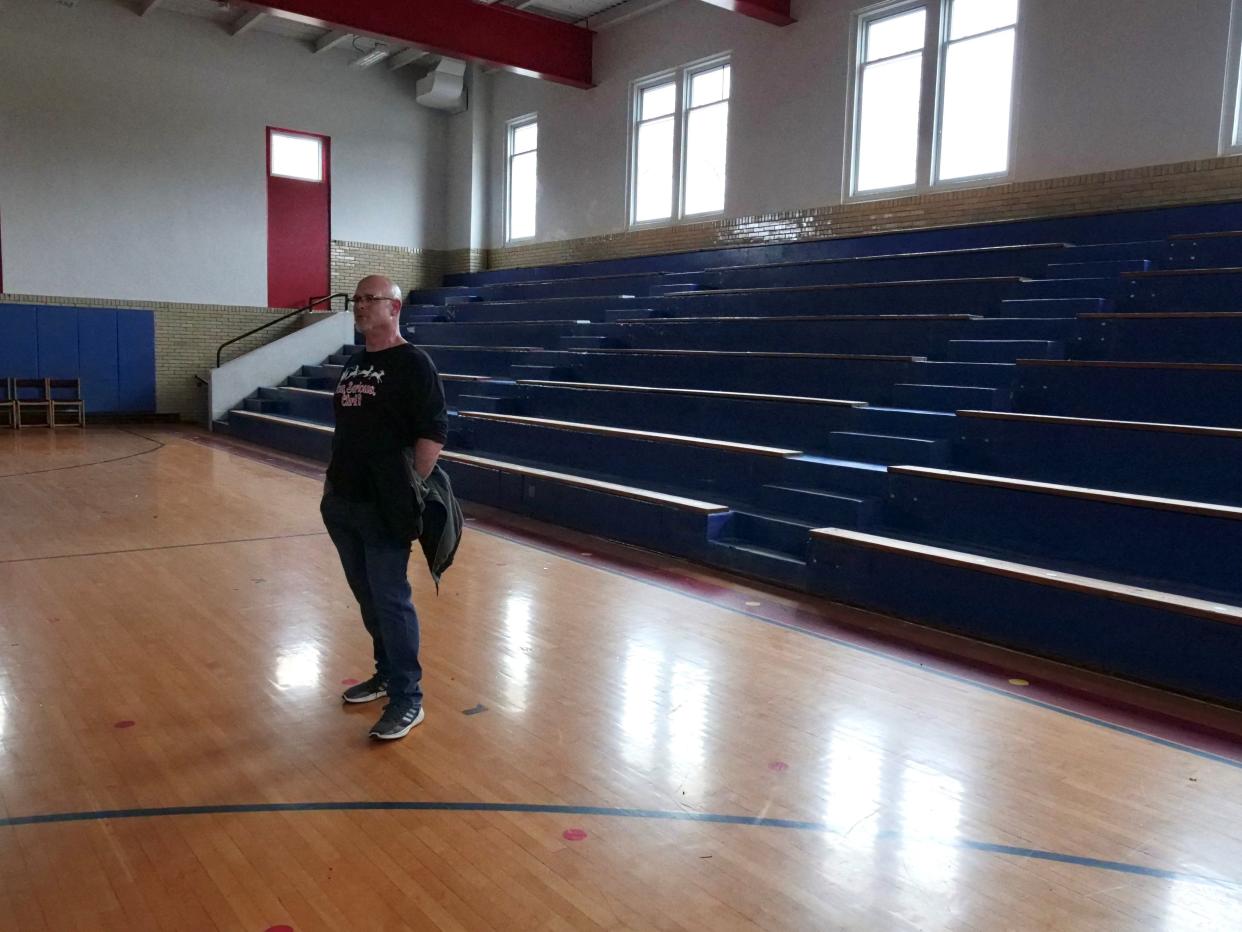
x=132, y=151
x=1103, y=84
x=228, y=384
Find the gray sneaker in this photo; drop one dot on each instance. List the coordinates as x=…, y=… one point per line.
x=367, y=690
x=397, y=721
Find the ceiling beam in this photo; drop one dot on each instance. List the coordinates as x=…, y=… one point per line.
x=770, y=11
x=623, y=13
x=331, y=39
x=247, y=21
x=494, y=35
x=407, y=57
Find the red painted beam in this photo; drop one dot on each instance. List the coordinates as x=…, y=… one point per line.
x=770, y=11
x=494, y=35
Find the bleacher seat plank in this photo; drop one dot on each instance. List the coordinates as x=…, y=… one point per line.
x=931, y=254
x=608, y=431
x=696, y=393
x=786, y=318
x=1163, y=315
x=1110, y=364
x=281, y=419
x=641, y=351
x=1222, y=234
x=838, y=286
x=450, y=346
x=1152, y=598
x=1204, y=509
x=1102, y=422
x=611, y=488
x=1183, y=273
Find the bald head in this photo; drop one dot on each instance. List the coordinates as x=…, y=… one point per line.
x=377, y=311
x=379, y=286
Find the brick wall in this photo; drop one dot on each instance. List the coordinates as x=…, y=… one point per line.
x=1171, y=185
x=409, y=268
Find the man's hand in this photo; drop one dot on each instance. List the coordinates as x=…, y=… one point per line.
x=426, y=452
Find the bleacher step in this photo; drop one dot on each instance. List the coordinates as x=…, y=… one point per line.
x=490, y=403
x=948, y=397
x=1052, y=307
x=884, y=448
x=583, y=342
x=1096, y=268
x=930, y=425
x=1004, y=350
x=1096, y=287
x=542, y=373
x=629, y=313
x=831, y=474
x=825, y=508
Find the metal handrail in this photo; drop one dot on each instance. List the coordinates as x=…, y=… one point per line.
x=302, y=310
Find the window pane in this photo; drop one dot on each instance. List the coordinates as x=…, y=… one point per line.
x=888, y=121
x=653, y=171
x=297, y=157
x=657, y=101
x=709, y=86
x=525, y=138
x=707, y=138
x=523, y=175
x=970, y=17
x=978, y=79
x=895, y=34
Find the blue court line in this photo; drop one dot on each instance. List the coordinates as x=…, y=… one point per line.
x=660, y=814
x=874, y=652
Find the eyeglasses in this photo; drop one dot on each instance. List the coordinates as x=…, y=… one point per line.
x=371, y=298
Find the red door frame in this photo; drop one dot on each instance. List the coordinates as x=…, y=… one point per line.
x=326, y=183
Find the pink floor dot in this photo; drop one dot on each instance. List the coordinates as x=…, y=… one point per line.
x=350, y=682
x=778, y=766
x=573, y=834
x=127, y=723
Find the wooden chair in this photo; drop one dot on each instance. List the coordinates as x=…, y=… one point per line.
x=65, y=397
x=31, y=398
x=8, y=402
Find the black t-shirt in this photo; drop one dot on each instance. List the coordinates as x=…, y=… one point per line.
x=383, y=402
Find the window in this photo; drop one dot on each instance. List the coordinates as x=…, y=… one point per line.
x=680, y=143
x=929, y=111
x=296, y=156
x=522, y=178
x=1231, y=118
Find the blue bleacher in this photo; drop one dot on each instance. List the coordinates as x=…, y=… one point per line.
x=1030, y=425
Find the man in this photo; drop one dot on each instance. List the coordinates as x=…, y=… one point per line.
x=388, y=401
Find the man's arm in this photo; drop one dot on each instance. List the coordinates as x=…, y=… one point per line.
x=426, y=452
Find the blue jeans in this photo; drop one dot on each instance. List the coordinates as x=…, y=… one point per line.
x=375, y=566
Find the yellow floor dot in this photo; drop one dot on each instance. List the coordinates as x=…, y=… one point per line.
x=1016, y=682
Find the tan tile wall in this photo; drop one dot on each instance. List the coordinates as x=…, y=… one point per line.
x=186, y=338
x=1172, y=185
x=409, y=268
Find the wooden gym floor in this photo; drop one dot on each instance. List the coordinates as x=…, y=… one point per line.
x=612, y=740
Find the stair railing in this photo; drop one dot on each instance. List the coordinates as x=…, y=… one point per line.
x=310, y=305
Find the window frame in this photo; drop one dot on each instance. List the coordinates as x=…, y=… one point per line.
x=688, y=73
x=936, y=43
x=1230, y=142
x=680, y=77
x=636, y=93
x=511, y=127
x=322, y=142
